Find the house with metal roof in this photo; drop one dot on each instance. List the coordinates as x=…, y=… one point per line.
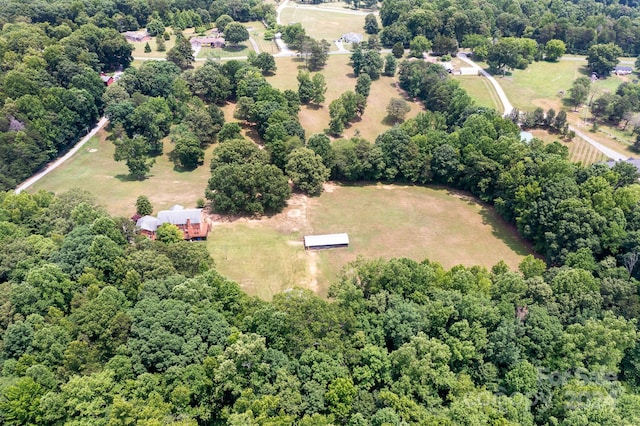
x=622, y=70
x=352, y=38
x=190, y=221
x=317, y=242
x=633, y=161
x=137, y=36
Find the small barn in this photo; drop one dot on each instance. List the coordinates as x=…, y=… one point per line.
x=468, y=71
x=622, y=70
x=327, y=241
x=107, y=79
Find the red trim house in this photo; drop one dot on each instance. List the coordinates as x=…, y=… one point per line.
x=107, y=79
x=190, y=221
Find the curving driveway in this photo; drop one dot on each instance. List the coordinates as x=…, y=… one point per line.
x=506, y=105
x=614, y=155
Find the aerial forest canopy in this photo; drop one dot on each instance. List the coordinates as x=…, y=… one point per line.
x=101, y=326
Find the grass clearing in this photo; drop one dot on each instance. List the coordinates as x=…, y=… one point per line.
x=481, y=91
x=542, y=84
x=339, y=77
x=323, y=24
x=225, y=52
x=94, y=170
x=276, y=264
x=381, y=220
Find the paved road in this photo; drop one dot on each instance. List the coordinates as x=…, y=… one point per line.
x=614, y=155
x=52, y=166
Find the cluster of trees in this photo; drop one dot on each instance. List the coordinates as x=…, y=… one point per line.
x=100, y=326
x=315, y=53
x=620, y=107
x=249, y=179
x=50, y=90
x=578, y=25
x=125, y=15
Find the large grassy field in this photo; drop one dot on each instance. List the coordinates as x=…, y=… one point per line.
x=323, y=24
x=545, y=84
x=381, y=220
x=94, y=169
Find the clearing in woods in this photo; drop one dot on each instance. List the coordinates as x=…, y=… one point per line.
x=266, y=256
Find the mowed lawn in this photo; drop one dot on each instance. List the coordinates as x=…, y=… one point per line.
x=323, y=24
x=266, y=256
x=545, y=84
x=481, y=91
x=94, y=169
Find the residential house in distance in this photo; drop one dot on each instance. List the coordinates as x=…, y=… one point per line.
x=137, y=36
x=352, y=38
x=190, y=221
x=107, y=79
x=622, y=70
x=212, y=41
x=633, y=161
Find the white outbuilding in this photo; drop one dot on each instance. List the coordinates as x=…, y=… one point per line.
x=317, y=242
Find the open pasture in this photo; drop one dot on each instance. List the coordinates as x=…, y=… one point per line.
x=381, y=220
x=94, y=170
x=340, y=78
x=324, y=24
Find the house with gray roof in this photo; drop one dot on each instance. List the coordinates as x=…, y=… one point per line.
x=190, y=221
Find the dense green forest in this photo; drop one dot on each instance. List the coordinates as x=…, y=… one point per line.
x=104, y=327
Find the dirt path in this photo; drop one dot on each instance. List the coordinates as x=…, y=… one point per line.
x=54, y=165
x=254, y=45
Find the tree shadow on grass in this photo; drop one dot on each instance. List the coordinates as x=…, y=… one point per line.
x=388, y=121
x=128, y=178
x=505, y=231
x=234, y=48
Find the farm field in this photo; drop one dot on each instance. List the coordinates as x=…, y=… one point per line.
x=579, y=150
x=381, y=220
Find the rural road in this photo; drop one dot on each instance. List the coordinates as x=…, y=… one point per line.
x=54, y=165
x=612, y=154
